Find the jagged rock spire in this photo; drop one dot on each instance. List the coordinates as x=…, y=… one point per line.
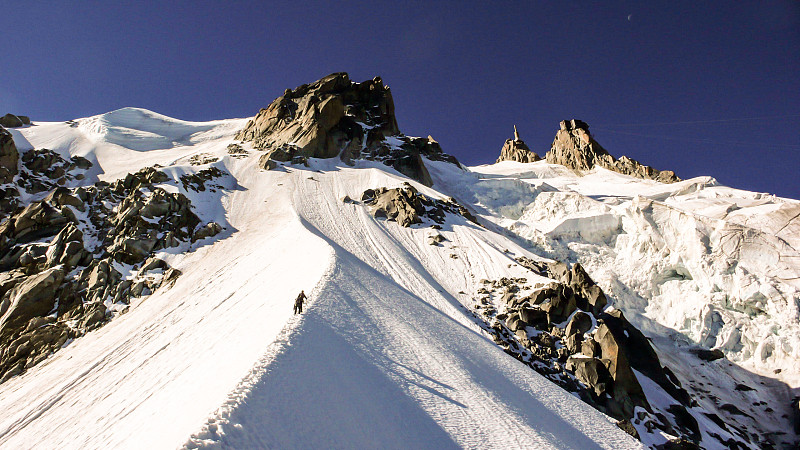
x=516, y=150
x=574, y=147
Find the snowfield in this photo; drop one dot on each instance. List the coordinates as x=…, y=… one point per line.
x=386, y=356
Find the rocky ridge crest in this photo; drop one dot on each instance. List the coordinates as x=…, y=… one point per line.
x=574, y=147
x=337, y=117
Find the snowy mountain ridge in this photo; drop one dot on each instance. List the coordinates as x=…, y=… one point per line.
x=437, y=333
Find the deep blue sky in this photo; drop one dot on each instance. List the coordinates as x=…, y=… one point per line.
x=709, y=89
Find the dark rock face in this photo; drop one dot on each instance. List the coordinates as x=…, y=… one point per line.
x=592, y=372
x=43, y=170
x=626, y=387
x=407, y=206
x=12, y=121
x=516, y=150
x=337, y=117
x=708, y=355
x=267, y=163
x=574, y=147
x=308, y=118
x=30, y=298
x=9, y=157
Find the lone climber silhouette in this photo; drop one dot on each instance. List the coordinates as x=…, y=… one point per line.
x=298, y=303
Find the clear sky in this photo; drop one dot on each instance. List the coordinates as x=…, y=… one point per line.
x=703, y=89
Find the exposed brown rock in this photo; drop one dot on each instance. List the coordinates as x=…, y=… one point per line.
x=516, y=150
x=33, y=297
x=11, y=121
x=309, y=118
x=574, y=147
x=407, y=206
x=337, y=117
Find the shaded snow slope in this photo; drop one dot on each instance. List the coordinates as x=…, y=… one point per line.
x=385, y=357
x=373, y=366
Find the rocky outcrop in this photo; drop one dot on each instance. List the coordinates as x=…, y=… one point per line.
x=308, y=120
x=44, y=170
x=574, y=147
x=57, y=274
x=566, y=332
x=9, y=156
x=12, y=121
x=407, y=206
x=35, y=296
x=337, y=117
x=516, y=150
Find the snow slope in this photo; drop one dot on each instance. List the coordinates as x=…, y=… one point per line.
x=386, y=356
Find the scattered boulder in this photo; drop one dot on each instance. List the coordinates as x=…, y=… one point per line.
x=574, y=147
x=708, y=355
x=626, y=426
x=516, y=150
x=560, y=306
x=400, y=205
x=202, y=159
x=407, y=206
x=211, y=229
x=30, y=298
x=579, y=324
x=534, y=316
x=592, y=372
x=67, y=249
x=11, y=121
x=199, y=181
x=237, y=151
x=436, y=239
x=590, y=348
x=267, y=163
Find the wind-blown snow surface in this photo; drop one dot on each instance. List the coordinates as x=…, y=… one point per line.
x=385, y=356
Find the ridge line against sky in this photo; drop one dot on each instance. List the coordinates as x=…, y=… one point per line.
x=464, y=72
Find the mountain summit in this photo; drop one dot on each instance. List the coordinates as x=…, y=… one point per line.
x=574, y=147
x=337, y=117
